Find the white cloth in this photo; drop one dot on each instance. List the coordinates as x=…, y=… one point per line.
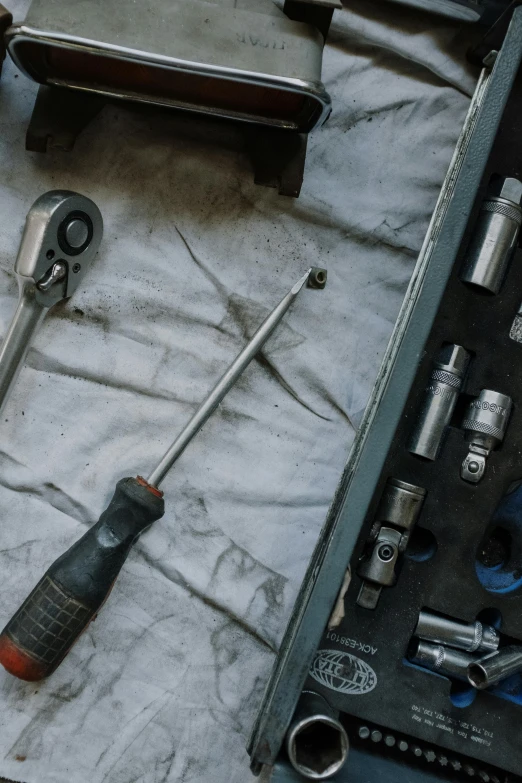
x=164, y=686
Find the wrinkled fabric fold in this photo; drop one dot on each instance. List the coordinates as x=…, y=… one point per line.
x=164, y=686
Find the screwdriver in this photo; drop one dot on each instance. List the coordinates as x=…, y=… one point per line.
x=75, y=587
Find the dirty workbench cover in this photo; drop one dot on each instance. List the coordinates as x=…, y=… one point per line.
x=165, y=684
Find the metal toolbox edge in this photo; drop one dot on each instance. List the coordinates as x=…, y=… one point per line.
x=356, y=487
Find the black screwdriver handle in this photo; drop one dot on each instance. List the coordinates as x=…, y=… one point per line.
x=69, y=596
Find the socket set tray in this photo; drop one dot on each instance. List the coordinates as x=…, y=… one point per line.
x=463, y=560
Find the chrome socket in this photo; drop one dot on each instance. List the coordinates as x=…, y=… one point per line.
x=494, y=668
x=470, y=637
x=400, y=504
x=316, y=742
x=439, y=402
x=440, y=659
x=495, y=237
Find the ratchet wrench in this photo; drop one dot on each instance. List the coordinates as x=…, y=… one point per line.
x=62, y=234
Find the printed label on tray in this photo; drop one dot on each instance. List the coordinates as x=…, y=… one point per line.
x=460, y=728
x=353, y=644
x=343, y=672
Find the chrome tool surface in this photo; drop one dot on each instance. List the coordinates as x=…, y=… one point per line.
x=62, y=234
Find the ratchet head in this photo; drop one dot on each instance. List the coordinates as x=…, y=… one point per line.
x=62, y=234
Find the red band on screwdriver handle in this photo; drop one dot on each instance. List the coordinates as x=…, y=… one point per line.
x=73, y=590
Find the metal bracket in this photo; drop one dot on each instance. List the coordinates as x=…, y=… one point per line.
x=6, y=20
x=315, y=12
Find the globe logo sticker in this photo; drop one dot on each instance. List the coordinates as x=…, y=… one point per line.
x=343, y=672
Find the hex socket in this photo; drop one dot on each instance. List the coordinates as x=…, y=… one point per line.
x=316, y=742
x=439, y=402
x=496, y=667
x=440, y=659
x=495, y=237
x=400, y=504
x=471, y=637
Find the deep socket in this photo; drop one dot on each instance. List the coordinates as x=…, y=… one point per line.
x=471, y=637
x=496, y=667
x=495, y=236
x=439, y=402
x=440, y=659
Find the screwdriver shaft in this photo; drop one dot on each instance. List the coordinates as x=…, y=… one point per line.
x=75, y=587
x=224, y=385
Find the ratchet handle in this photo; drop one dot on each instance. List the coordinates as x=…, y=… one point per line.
x=27, y=318
x=75, y=587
